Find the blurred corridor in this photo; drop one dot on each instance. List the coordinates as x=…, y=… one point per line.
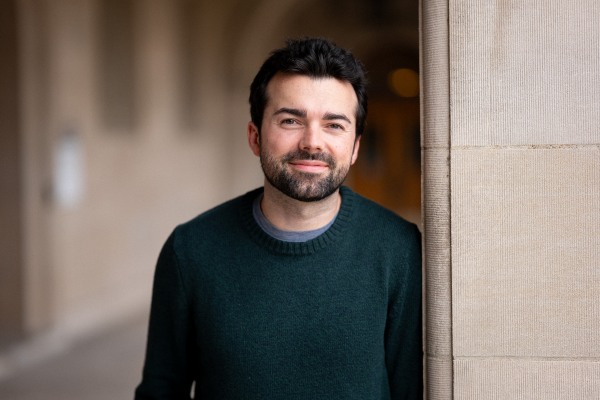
x=105, y=366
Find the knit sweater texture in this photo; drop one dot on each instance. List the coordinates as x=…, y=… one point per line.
x=247, y=316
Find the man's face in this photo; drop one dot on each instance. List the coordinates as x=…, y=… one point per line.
x=308, y=140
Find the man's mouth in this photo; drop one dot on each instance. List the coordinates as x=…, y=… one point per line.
x=309, y=165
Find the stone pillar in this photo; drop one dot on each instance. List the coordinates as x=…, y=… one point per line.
x=511, y=198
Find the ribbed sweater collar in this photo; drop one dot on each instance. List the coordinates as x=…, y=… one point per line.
x=329, y=237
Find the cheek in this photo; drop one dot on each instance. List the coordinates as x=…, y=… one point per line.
x=345, y=151
x=280, y=143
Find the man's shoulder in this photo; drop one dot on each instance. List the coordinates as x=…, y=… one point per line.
x=378, y=217
x=223, y=218
x=382, y=234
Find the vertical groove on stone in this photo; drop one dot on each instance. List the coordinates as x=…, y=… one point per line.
x=435, y=141
x=441, y=372
x=435, y=74
x=438, y=294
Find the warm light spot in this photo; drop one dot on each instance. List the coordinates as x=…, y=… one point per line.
x=404, y=82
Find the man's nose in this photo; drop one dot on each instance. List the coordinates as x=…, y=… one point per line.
x=312, y=140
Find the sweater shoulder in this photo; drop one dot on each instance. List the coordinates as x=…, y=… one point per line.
x=384, y=233
x=214, y=226
x=380, y=218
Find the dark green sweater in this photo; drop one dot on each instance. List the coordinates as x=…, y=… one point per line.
x=247, y=316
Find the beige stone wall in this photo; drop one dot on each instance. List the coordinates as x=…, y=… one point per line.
x=512, y=198
x=435, y=144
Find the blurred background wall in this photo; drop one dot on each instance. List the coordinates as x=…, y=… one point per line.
x=120, y=119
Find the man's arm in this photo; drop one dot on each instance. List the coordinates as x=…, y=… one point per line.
x=170, y=353
x=403, y=335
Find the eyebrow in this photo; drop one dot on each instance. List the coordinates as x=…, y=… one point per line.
x=293, y=111
x=302, y=114
x=332, y=116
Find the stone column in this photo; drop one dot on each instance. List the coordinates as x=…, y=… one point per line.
x=511, y=198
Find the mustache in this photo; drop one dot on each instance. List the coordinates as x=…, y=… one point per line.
x=297, y=155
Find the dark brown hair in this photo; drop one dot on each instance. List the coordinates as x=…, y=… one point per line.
x=316, y=58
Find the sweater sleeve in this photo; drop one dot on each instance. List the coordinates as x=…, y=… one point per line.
x=170, y=354
x=403, y=335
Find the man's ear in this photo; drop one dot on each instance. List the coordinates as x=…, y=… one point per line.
x=254, y=138
x=355, y=151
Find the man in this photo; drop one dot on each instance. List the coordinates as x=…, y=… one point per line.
x=300, y=290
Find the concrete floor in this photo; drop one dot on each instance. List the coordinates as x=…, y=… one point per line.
x=108, y=366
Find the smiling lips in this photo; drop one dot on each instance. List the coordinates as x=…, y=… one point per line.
x=309, y=165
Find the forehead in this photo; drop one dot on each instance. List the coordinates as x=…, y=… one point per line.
x=318, y=95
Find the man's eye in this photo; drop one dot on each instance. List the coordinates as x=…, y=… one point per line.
x=288, y=121
x=336, y=126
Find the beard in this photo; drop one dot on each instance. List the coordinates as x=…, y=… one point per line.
x=300, y=185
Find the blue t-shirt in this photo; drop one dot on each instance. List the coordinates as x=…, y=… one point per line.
x=286, y=236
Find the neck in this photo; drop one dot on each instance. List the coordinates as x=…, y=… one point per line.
x=293, y=215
